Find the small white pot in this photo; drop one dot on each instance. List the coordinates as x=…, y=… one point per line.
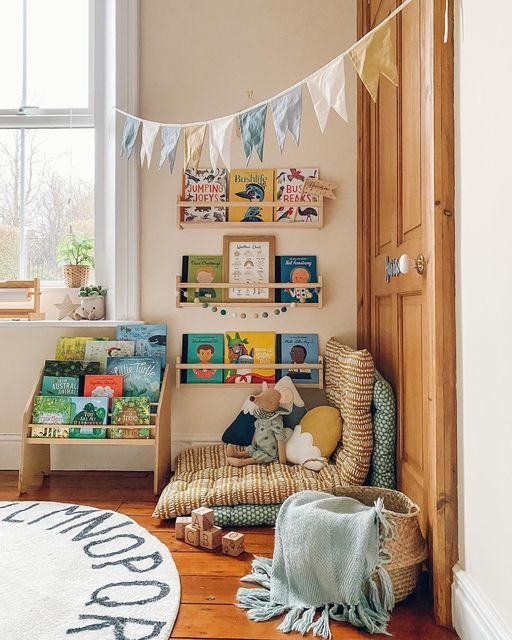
x=91, y=308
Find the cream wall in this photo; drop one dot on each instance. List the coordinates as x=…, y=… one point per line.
x=198, y=60
x=484, y=286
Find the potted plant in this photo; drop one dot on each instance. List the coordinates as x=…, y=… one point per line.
x=92, y=303
x=76, y=254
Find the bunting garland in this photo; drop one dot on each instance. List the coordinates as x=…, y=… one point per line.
x=372, y=56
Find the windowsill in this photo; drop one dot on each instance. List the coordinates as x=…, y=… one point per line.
x=69, y=323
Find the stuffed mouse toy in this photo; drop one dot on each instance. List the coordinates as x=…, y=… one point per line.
x=269, y=436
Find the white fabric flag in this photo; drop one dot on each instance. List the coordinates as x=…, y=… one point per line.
x=149, y=131
x=220, y=140
x=327, y=89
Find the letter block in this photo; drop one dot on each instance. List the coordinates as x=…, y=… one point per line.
x=211, y=539
x=202, y=518
x=179, y=527
x=192, y=535
x=233, y=543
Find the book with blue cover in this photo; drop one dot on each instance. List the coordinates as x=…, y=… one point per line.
x=60, y=386
x=150, y=339
x=298, y=271
x=203, y=348
x=141, y=376
x=299, y=349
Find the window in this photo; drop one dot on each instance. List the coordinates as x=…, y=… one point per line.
x=47, y=136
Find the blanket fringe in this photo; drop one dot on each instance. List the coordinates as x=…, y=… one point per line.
x=291, y=618
x=321, y=626
x=302, y=624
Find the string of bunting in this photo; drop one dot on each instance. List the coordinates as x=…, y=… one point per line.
x=372, y=56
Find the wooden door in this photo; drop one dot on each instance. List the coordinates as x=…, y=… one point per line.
x=406, y=207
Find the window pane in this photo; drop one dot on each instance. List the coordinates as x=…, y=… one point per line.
x=11, y=53
x=58, y=53
x=58, y=192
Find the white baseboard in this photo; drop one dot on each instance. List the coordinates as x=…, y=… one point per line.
x=97, y=458
x=474, y=617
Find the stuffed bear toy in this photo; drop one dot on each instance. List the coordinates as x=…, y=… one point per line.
x=268, y=443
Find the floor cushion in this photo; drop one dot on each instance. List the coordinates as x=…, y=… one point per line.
x=382, y=467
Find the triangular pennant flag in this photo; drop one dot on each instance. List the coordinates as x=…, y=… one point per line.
x=131, y=128
x=252, y=130
x=287, y=115
x=149, y=131
x=220, y=140
x=375, y=55
x=170, y=138
x=327, y=89
x=194, y=138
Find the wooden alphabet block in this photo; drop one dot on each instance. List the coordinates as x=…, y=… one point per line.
x=202, y=518
x=179, y=526
x=211, y=539
x=192, y=535
x=233, y=543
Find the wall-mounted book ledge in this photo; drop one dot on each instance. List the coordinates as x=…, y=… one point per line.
x=183, y=287
x=312, y=220
x=244, y=370
x=35, y=452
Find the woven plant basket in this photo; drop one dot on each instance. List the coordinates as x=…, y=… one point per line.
x=408, y=548
x=76, y=275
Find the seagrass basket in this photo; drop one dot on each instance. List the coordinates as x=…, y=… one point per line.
x=76, y=275
x=408, y=548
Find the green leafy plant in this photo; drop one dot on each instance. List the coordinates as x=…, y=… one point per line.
x=76, y=249
x=93, y=290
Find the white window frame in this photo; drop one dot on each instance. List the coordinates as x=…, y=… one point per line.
x=113, y=81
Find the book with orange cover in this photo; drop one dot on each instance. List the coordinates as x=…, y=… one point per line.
x=103, y=386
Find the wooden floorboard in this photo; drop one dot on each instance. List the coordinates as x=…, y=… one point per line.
x=209, y=580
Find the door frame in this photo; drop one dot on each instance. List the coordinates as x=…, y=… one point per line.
x=442, y=516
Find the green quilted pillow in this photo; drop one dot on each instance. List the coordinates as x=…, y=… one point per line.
x=382, y=468
x=246, y=515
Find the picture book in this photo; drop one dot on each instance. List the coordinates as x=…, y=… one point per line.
x=42, y=431
x=150, y=339
x=129, y=433
x=72, y=348
x=100, y=351
x=288, y=189
x=88, y=432
x=130, y=411
x=298, y=271
x=141, y=376
x=51, y=410
x=203, y=186
x=203, y=348
x=70, y=368
x=251, y=186
x=89, y=411
x=103, y=386
x=204, y=270
x=59, y=386
x=255, y=347
x=299, y=349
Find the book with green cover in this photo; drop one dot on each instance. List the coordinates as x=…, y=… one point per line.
x=205, y=270
x=72, y=348
x=48, y=410
x=88, y=432
x=88, y=411
x=130, y=412
x=71, y=368
x=59, y=386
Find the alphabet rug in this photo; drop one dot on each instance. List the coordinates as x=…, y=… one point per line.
x=70, y=572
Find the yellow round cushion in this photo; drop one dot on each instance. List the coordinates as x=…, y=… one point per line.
x=325, y=425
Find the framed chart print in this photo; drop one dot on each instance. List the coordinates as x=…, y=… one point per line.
x=249, y=260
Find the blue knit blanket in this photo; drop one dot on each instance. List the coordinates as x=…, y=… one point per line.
x=327, y=552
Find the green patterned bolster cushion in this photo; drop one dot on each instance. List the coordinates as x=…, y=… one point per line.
x=382, y=468
x=246, y=515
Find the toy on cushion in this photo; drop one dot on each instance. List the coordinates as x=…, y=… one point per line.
x=316, y=437
x=269, y=435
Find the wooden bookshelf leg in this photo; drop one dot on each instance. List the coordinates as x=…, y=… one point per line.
x=35, y=464
x=162, y=464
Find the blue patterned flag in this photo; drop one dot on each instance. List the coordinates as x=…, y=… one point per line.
x=131, y=128
x=287, y=115
x=252, y=130
x=170, y=139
